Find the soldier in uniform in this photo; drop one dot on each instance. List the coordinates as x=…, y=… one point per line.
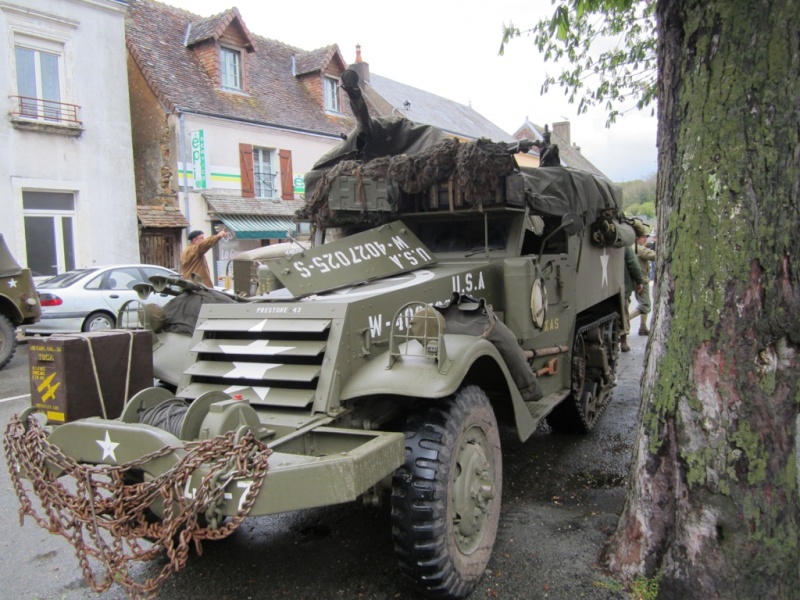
x=634, y=282
x=645, y=256
x=193, y=259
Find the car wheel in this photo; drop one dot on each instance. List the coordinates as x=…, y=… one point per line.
x=99, y=321
x=8, y=341
x=446, y=498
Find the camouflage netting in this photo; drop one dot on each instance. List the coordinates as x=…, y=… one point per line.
x=480, y=168
x=418, y=172
x=477, y=168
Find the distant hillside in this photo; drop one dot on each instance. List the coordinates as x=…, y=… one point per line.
x=639, y=197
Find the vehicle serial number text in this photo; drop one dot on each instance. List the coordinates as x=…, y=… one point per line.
x=401, y=254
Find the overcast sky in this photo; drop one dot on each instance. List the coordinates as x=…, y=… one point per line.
x=450, y=48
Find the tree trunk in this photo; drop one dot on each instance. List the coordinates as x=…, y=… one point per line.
x=713, y=505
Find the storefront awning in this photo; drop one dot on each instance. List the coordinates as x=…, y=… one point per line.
x=259, y=227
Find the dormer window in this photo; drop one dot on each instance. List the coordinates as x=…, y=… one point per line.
x=230, y=62
x=331, y=94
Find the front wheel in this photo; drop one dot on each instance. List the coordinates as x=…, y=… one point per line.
x=446, y=497
x=99, y=321
x=8, y=341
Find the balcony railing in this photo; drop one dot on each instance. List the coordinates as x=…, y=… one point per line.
x=265, y=184
x=45, y=110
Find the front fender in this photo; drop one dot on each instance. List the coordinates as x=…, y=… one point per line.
x=421, y=377
x=10, y=309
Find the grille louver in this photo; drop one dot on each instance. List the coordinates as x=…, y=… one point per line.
x=274, y=362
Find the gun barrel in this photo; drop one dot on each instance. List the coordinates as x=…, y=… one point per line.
x=357, y=103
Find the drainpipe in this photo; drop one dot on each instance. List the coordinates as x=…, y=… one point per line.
x=185, y=176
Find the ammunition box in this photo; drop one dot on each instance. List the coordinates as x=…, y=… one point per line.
x=358, y=194
x=74, y=376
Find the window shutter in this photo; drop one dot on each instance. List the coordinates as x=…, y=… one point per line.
x=246, y=166
x=287, y=179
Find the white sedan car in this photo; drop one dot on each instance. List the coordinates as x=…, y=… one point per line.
x=89, y=299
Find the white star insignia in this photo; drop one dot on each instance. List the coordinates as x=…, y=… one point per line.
x=249, y=370
x=604, y=262
x=12, y=283
x=255, y=347
x=108, y=447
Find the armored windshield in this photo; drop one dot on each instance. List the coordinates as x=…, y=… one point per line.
x=463, y=235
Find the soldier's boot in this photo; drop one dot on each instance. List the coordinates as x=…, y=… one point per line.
x=643, y=330
x=623, y=343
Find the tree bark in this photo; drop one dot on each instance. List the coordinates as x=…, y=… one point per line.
x=713, y=506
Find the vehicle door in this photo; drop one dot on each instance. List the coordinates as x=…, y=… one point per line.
x=115, y=286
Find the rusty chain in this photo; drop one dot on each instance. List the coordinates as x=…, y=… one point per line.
x=108, y=515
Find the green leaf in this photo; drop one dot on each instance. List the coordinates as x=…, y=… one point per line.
x=577, y=30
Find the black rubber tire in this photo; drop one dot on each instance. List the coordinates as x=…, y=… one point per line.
x=453, y=468
x=8, y=341
x=99, y=317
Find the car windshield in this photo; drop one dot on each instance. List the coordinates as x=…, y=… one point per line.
x=65, y=279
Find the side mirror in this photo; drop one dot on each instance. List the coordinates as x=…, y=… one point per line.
x=571, y=223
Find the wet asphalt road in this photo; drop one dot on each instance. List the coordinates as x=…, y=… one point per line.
x=561, y=499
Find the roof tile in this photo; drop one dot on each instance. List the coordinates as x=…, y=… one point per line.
x=156, y=36
x=227, y=204
x=161, y=216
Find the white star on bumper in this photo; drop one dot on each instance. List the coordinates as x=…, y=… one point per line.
x=108, y=447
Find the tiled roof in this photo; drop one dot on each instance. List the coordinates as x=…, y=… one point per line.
x=213, y=28
x=156, y=36
x=570, y=156
x=161, y=216
x=430, y=109
x=317, y=60
x=227, y=204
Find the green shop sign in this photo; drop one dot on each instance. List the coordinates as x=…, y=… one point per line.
x=199, y=159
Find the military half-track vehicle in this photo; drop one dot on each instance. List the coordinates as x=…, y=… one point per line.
x=19, y=304
x=460, y=294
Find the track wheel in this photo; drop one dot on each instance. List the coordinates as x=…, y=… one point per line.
x=446, y=497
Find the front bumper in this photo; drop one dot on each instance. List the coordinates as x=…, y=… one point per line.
x=323, y=466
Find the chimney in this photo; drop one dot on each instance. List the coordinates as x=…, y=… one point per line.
x=561, y=129
x=360, y=67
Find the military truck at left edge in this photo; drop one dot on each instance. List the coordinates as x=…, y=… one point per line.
x=19, y=304
x=459, y=293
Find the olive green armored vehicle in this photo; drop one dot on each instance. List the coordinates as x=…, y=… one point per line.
x=19, y=304
x=448, y=292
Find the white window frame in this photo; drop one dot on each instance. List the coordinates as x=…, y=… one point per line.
x=79, y=191
x=264, y=174
x=230, y=75
x=56, y=217
x=331, y=92
x=41, y=108
x=36, y=30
